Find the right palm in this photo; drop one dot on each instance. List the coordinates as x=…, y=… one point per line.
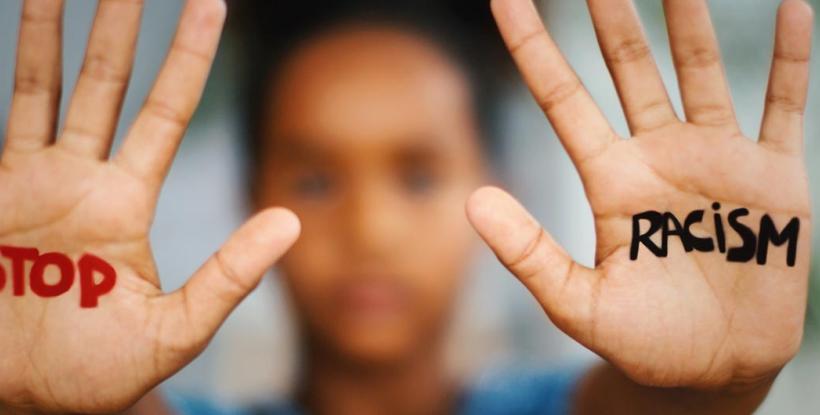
x=65, y=196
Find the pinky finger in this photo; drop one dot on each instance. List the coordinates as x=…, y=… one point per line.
x=782, y=128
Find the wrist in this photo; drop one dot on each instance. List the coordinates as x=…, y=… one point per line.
x=8, y=409
x=606, y=389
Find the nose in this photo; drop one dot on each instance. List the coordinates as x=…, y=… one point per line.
x=376, y=221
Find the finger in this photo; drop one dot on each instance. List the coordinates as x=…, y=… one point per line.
x=563, y=287
x=95, y=106
x=629, y=59
x=704, y=90
x=579, y=124
x=232, y=273
x=782, y=127
x=38, y=77
x=150, y=145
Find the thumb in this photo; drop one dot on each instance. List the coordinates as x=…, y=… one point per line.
x=233, y=272
x=563, y=287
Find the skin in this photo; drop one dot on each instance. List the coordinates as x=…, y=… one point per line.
x=690, y=333
x=692, y=321
x=370, y=136
x=65, y=194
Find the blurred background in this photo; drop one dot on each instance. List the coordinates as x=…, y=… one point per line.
x=204, y=198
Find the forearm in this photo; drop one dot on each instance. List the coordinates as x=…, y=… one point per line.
x=606, y=390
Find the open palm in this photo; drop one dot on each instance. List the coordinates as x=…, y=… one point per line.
x=66, y=196
x=690, y=318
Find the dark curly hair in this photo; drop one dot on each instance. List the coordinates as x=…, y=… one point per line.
x=268, y=30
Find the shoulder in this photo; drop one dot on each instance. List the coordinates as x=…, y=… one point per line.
x=523, y=390
x=183, y=404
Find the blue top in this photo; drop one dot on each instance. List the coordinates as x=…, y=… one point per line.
x=519, y=392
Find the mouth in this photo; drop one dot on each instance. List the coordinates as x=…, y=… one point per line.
x=372, y=299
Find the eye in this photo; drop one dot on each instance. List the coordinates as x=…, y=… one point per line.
x=313, y=185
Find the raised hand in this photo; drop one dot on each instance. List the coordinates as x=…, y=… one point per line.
x=63, y=197
x=698, y=317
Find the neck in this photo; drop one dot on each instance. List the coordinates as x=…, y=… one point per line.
x=335, y=385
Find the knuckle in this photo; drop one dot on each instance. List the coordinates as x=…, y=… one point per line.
x=99, y=67
x=527, y=40
x=558, y=94
x=78, y=133
x=585, y=160
x=654, y=105
x=235, y=285
x=190, y=51
x=711, y=115
x=29, y=83
x=40, y=15
x=653, y=114
x=627, y=50
x=781, y=57
x=527, y=264
x=785, y=103
x=165, y=111
x=698, y=57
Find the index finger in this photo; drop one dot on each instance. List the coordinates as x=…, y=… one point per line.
x=151, y=144
x=578, y=122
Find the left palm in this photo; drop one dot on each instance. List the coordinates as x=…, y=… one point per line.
x=690, y=318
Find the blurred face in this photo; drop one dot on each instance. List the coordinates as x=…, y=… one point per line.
x=371, y=140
